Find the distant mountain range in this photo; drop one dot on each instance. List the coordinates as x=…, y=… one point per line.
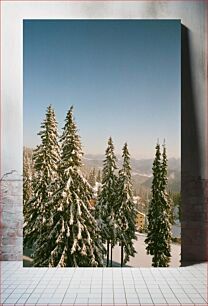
x=141, y=170
x=142, y=165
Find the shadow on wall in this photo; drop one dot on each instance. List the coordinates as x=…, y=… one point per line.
x=193, y=232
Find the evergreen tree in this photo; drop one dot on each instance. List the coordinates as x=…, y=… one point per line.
x=159, y=234
x=92, y=177
x=126, y=211
x=46, y=158
x=167, y=210
x=74, y=239
x=105, y=206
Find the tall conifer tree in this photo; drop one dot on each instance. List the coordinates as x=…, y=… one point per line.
x=159, y=235
x=105, y=206
x=46, y=158
x=167, y=210
x=74, y=238
x=125, y=210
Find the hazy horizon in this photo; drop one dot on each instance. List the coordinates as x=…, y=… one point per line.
x=122, y=77
x=118, y=154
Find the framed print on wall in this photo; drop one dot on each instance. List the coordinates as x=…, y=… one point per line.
x=101, y=208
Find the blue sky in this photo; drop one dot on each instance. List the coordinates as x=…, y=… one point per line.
x=122, y=77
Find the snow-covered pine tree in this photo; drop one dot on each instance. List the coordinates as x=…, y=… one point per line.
x=105, y=206
x=46, y=158
x=158, y=232
x=74, y=239
x=125, y=210
x=167, y=211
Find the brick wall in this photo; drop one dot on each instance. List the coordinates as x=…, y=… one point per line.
x=11, y=218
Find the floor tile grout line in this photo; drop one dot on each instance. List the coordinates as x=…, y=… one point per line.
x=172, y=289
x=4, y=300
x=135, y=287
x=147, y=288
x=37, y=286
x=184, y=293
x=168, y=287
x=33, y=289
x=68, y=285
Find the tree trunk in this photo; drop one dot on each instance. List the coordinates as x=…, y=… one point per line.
x=107, y=265
x=122, y=254
x=111, y=255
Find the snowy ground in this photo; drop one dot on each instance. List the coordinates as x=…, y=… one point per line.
x=141, y=259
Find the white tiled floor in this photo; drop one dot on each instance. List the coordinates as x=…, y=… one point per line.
x=108, y=286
